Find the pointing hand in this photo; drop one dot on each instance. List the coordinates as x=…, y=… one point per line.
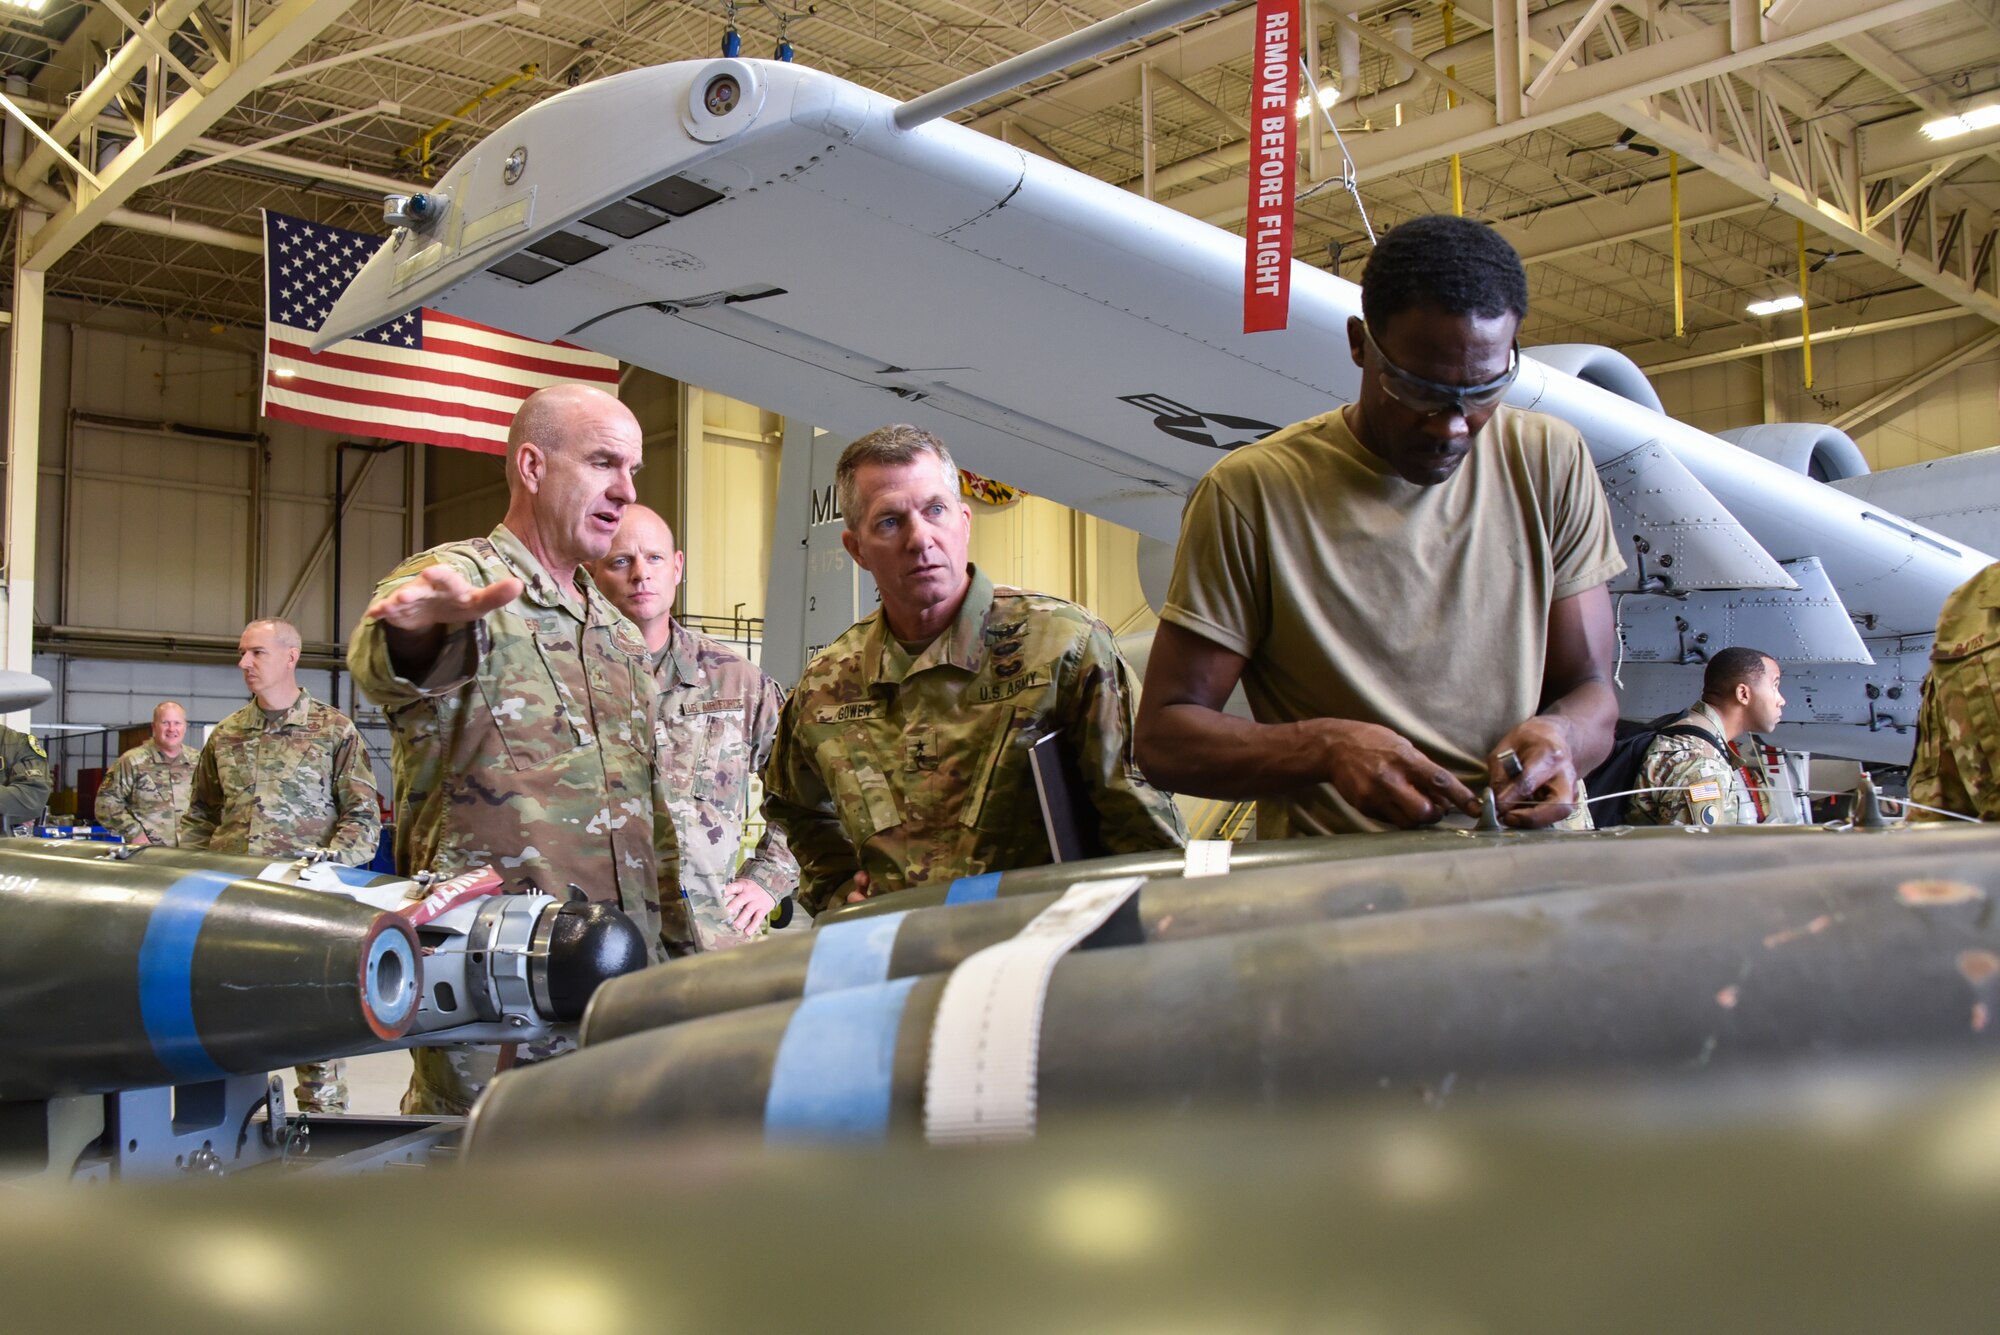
x=441, y=597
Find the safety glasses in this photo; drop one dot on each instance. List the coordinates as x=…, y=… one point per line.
x=1428, y=398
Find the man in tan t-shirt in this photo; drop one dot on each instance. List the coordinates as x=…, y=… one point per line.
x=1410, y=588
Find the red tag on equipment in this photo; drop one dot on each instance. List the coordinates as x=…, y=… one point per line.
x=1267, y=228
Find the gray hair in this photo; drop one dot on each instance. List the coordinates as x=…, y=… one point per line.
x=892, y=447
x=284, y=632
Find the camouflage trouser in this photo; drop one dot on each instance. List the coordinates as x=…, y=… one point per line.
x=447, y=1081
x=710, y=913
x=322, y=1087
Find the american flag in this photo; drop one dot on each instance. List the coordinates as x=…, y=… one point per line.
x=423, y=377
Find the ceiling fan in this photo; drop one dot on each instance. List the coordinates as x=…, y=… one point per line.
x=1827, y=257
x=1627, y=142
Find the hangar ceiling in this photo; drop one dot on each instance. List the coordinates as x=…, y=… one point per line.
x=1776, y=111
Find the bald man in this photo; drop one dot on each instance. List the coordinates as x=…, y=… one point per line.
x=285, y=774
x=718, y=713
x=147, y=788
x=282, y=776
x=521, y=702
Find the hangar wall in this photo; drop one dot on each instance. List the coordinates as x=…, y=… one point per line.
x=169, y=514
x=465, y=494
x=1038, y=544
x=1957, y=414
x=726, y=496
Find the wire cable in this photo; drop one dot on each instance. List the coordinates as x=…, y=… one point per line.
x=1902, y=803
x=1349, y=179
x=1618, y=625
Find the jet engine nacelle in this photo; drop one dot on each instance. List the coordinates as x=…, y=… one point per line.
x=1823, y=453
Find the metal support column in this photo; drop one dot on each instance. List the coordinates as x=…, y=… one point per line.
x=415, y=535
x=690, y=429
x=1680, y=290
x=1146, y=149
x=24, y=431
x=1510, y=60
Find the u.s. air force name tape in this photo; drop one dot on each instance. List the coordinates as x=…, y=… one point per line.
x=852, y=954
x=981, y=1080
x=1207, y=857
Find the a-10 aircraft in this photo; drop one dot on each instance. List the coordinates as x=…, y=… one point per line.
x=773, y=233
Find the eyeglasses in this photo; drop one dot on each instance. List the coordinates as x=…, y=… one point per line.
x=1428, y=398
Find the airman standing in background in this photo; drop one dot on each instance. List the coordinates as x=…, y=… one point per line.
x=148, y=788
x=1701, y=776
x=282, y=776
x=25, y=782
x=718, y=716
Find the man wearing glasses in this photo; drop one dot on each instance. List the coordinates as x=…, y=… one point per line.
x=1411, y=588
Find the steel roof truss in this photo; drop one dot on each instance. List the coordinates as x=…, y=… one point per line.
x=174, y=128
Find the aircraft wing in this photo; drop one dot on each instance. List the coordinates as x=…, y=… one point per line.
x=767, y=231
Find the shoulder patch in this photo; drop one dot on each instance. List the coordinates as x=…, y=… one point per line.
x=713, y=652
x=1034, y=603
x=36, y=743
x=475, y=558
x=626, y=635
x=465, y=557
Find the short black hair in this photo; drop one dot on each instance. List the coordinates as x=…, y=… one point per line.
x=1459, y=266
x=1730, y=666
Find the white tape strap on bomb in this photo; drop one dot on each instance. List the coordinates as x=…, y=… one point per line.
x=1207, y=857
x=985, y=1042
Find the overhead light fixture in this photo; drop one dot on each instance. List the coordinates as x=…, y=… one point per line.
x=32, y=6
x=1776, y=305
x=1328, y=94
x=1965, y=122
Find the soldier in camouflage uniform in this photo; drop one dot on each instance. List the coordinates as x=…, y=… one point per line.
x=902, y=757
x=1957, y=761
x=1710, y=779
x=24, y=779
x=280, y=776
x=146, y=789
x=521, y=702
x=717, y=715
